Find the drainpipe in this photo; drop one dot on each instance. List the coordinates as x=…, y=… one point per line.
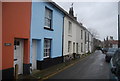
x=63, y=40
x=88, y=41
x=118, y=32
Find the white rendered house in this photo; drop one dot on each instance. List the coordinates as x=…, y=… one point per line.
x=74, y=37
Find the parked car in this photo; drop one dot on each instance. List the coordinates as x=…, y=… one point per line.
x=109, y=54
x=104, y=50
x=115, y=66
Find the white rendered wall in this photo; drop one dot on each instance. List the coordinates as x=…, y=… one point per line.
x=74, y=37
x=68, y=37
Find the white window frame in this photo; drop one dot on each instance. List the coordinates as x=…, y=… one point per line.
x=47, y=48
x=48, y=16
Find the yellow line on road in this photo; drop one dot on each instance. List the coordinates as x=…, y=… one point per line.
x=62, y=69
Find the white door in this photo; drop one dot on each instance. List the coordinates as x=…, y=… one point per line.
x=18, y=55
x=34, y=54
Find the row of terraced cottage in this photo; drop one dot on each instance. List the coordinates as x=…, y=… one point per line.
x=38, y=35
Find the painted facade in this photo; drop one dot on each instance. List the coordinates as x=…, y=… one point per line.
x=80, y=38
x=74, y=37
x=69, y=38
x=77, y=39
x=86, y=39
x=88, y=42
x=40, y=33
x=15, y=37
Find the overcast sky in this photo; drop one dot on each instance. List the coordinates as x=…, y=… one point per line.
x=100, y=16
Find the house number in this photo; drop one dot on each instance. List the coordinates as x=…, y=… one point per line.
x=7, y=44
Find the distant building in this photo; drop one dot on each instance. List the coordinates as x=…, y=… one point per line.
x=109, y=42
x=114, y=43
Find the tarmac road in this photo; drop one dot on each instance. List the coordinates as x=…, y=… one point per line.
x=92, y=67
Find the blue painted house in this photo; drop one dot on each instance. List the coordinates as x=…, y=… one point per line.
x=46, y=35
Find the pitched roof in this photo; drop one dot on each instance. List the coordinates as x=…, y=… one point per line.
x=66, y=14
x=113, y=41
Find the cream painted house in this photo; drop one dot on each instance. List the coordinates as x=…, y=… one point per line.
x=80, y=38
x=74, y=37
x=77, y=40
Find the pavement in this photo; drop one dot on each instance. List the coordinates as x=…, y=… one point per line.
x=92, y=67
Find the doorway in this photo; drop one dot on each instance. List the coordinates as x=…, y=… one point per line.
x=34, y=54
x=18, y=54
x=76, y=48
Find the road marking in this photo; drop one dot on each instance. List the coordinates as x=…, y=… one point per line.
x=64, y=68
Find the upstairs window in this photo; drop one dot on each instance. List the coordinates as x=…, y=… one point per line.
x=69, y=28
x=85, y=38
x=48, y=18
x=88, y=37
x=69, y=46
x=81, y=34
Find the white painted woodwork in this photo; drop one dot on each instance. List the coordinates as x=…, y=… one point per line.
x=18, y=55
x=34, y=54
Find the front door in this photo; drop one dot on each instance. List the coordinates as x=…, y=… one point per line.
x=34, y=54
x=18, y=54
x=76, y=48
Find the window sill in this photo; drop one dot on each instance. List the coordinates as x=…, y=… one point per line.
x=48, y=28
x=46, y=57
x=70, y=35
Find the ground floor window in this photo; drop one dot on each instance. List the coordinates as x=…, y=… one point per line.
x=47, y=48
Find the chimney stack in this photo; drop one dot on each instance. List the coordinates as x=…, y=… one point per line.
x=71, y=11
